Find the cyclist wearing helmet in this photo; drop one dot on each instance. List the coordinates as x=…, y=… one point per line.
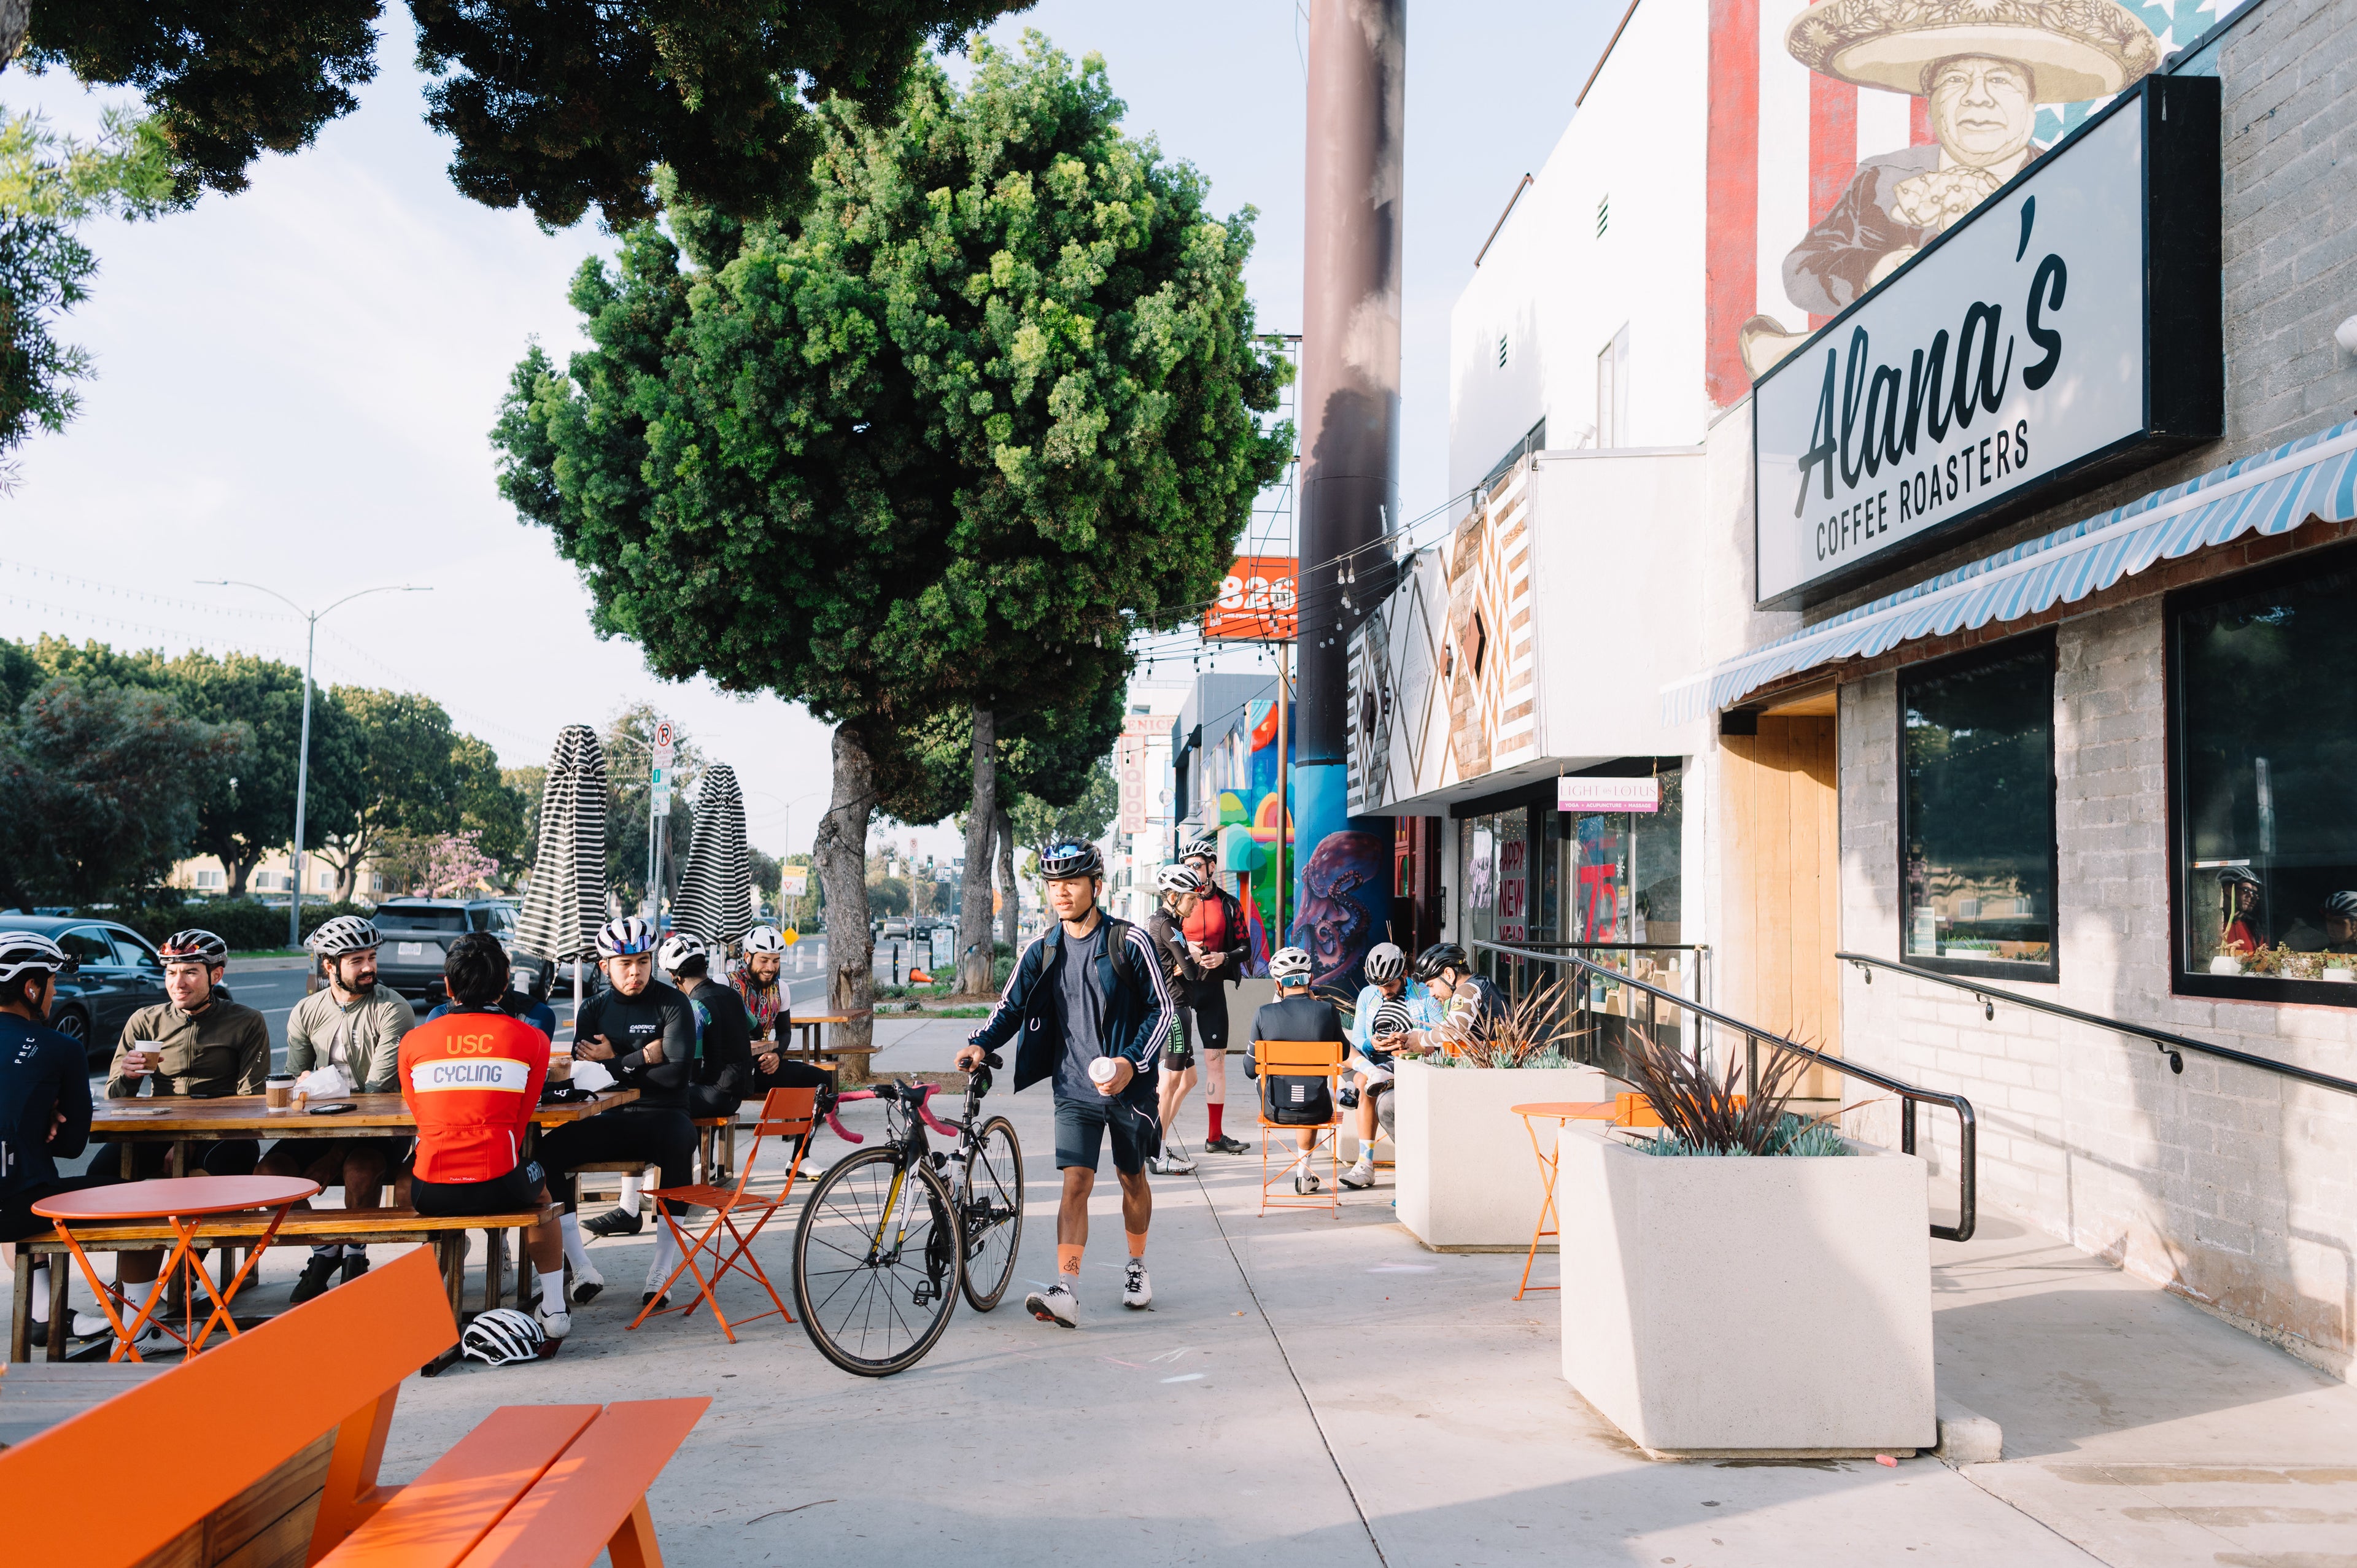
x=44, y=1102
x=1092, y=1011
x=1297, y=1016
x=1473, y=1005
x=644, y=1033
x=355, y=1025
x=757, y=985
x=199, y=1043
x=1387, y=980
x=1223, y=946
x=724, y=1050
x=1181, y=891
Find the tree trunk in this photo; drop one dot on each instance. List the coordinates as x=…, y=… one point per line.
x=840, y=848
x=973, y=887
x=15, y=20
x=240, y=870
x=1010, y=915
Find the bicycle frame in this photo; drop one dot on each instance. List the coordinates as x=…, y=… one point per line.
x=907, y=1134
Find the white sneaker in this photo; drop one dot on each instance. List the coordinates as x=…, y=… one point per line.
x=1175, y=1160
x=1136, y=1290
x=586, y=1283
x=91, y=1325
x=1362, y=1175
x=1055, y=1305
x=1156, y=1166
x=556, y=1324
x=1303, y=1182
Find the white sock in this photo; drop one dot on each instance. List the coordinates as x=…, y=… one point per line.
x=628, y=1201
x=41, y=1294
x=552, y=1291
x=666, y=1256
x=1071, y=1281
x=576, y=1252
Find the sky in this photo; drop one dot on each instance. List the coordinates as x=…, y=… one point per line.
x=294, y=385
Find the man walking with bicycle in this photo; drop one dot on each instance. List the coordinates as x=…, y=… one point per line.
x=1090, y=1001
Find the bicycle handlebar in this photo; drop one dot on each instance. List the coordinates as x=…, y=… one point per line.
x=917, y=1096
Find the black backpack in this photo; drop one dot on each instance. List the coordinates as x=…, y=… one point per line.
x=1298, y=1102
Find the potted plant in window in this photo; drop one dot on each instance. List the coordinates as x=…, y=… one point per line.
x=1811, y=1249
x=1468, y=1177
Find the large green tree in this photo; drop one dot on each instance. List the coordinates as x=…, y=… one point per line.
x=558, y=105
x=245, y=813
x=993, y=404
x=406, y=778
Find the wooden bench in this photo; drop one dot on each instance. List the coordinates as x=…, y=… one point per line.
x=367, y=1227
x=290, y=1422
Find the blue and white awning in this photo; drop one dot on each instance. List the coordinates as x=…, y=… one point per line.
x=2268, y=492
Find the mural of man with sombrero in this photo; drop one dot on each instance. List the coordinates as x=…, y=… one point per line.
x=1985, y=66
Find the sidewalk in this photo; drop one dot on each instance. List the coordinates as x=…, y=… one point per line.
x=1323, y=1388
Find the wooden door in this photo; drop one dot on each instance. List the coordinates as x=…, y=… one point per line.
x=1776, y=967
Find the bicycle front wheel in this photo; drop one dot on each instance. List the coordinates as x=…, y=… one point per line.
x=994, y=1214
x=877, y=1263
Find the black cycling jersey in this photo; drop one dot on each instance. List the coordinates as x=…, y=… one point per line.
x=631, y=1024
x=42, y=1073
x=726, y=1062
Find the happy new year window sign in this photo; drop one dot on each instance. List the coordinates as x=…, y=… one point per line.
x=2065, y=333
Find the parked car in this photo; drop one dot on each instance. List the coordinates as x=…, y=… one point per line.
x=116, y=973
x=414, y=932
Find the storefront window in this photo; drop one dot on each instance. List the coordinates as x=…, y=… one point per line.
x=2264, y=784
x=1977, y=822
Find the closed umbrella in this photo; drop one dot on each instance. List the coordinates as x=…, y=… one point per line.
x=567, y=901
x=716, y=890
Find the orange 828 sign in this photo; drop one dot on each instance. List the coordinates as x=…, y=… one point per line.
x=1257, y=601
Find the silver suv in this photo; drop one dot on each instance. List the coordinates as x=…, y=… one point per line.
x=415, y=931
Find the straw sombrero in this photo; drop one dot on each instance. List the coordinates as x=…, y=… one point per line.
x=2075, y=49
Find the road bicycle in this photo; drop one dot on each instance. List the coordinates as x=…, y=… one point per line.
x=892, y=1235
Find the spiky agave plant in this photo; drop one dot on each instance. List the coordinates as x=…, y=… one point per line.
x=1705, y=1115
x=1537, y=1028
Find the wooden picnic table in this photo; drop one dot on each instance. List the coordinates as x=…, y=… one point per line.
x=811, y=1046
x=180, y=1119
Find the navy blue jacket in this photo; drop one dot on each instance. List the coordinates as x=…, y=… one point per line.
x=1131, y=995
x=42, y=1073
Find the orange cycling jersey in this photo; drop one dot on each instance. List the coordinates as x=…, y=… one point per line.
x=473, y=1079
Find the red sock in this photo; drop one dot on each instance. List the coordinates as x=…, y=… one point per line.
x=1215, y=1108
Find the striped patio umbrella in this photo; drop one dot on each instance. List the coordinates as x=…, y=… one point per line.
x=567, y=901
x=715, y=889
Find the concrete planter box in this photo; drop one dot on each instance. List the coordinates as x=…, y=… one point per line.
x=1746, y=1306
x=1467, y=1178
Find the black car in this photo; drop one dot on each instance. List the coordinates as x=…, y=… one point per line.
x=116, y=973
x=416, y=929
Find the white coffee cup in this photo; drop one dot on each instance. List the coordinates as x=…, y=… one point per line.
x=1101, y=1071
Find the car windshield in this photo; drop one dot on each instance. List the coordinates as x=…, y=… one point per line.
x=419, y=918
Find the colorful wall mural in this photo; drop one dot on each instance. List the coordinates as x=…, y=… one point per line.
x=1251, y=825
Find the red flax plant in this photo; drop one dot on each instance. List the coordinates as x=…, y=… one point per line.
x=1536, y=1026
x=1706, y=1115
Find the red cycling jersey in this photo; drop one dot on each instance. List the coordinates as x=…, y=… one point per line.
x=473, y=1079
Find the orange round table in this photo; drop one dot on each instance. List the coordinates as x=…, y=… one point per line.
x=1559, y=1111
x=182, y=1203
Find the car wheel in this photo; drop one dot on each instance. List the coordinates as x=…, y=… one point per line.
x=74, y=1024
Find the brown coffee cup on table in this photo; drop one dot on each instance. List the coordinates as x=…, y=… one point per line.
x=279, y=1092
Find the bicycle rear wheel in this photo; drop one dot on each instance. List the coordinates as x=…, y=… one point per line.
x=994, y=1214
x=875, y=1292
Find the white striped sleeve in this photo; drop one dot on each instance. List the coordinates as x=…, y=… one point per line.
x=1157, y=1034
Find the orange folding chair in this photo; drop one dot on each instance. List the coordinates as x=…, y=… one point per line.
x=1301, y=1058
x=785, y=1113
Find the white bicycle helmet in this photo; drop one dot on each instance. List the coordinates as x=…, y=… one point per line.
x=1206, y=845
x=625, y=937
x=678, y=947
x=1290, y=965
x=1385, y=962
x=502, y=1335
x=764, y=939
x=1177, y=880
x=345, y=933
x=30, y=952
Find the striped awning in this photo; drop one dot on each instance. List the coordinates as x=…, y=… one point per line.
x=566, y=902
x=2268, y=492
x=715, y=889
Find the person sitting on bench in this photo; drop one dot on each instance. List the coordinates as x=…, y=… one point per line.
x=472, y=1078
x=45, y=1105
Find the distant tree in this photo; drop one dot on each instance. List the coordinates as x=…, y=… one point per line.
x=1039, y=824
x=628, y=742
x=246, y=809
x=529, y=783
x=555, y=104
x=888, y=896
x=406, y=778
x=98, y=790
x=491, y=810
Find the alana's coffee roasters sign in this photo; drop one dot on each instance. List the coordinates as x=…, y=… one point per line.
x=2067, y=331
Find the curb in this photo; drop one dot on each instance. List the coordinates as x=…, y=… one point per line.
x=1966, y=1436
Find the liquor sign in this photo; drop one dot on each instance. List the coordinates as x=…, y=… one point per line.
x=1129, y=769
x=1257, y=601
x=1607, y=794
x=2066, y=332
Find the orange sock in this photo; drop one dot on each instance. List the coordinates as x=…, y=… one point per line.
x=1068, y=1259
x=1136, y=1243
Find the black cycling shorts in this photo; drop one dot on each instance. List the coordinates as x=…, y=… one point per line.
x=510, y=1193
x=1179, y=1054
x=1210, y=1021
x=1082, y=1126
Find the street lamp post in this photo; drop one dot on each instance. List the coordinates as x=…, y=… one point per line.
x=303, y=751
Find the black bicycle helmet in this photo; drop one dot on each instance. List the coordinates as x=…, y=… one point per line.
x=194, y=945
x=1062, y=862
x=1440, y=956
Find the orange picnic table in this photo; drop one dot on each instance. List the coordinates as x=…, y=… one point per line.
x=182, y=1203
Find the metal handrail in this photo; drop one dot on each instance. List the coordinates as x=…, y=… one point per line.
x=2167, y=1044
x=1968, y=1142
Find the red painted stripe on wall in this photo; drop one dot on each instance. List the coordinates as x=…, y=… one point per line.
x=1920, y=122
x=1731, y=172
